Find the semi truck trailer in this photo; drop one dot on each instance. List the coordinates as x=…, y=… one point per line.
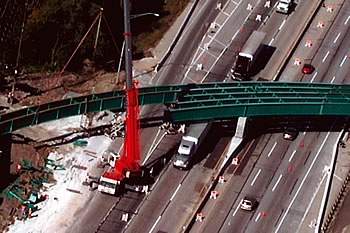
x=190, y=142
x=247, y=56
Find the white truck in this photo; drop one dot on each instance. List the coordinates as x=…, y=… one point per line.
x=247, y=56
x=284, y=6
x=190, y=142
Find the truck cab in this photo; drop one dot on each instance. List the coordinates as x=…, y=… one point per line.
x=284, y=6
x=185, y=153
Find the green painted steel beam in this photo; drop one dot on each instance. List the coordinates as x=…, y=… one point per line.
x=229, y=111
x=114, y=101
x=199, y=101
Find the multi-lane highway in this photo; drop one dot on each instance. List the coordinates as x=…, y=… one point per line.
x=286, y=177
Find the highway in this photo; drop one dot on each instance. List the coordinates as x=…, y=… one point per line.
x=289, y=185
x=284, y=176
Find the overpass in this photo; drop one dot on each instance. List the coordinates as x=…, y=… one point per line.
x=196, y=102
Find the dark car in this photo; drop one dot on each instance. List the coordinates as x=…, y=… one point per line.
x=290, y=134
x=307, y=69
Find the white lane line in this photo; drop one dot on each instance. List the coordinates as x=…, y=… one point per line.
x=225, y=49
x=275, y=186
x=333, y=79
x=311, y=202
x=257, y=217
x=292, y=155
x=154, y=225
x=210, y=54
x=313, y=77
x=177, y=189
x=273, y=147
x=216, y=33
x=346, y=21
x=234, y=2
x=325, y=57
x=336, y=38
x=284, y=21
x=302, y=183
x=234, y=213
x=222, y=44
x=227, y=14
x=256, y=176
x=271, y=41
x=338, y=178
x=342, y=62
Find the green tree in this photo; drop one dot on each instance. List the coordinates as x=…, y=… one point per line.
x=53, y=30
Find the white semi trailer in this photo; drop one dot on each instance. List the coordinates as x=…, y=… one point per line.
x=190, y=142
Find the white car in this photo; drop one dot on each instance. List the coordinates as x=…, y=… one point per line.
x=248, y=203
x=284, y=6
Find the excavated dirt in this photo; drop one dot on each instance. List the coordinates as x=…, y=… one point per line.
x=10, y=207
x=35, y=90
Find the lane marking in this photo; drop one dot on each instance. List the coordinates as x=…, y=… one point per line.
x=154, y=225
x=225, y=49
x=338, y=178
x=346, y=21
x=313, y=77
x=336, y=38
x=271, y=41
x=222, y=44
x=216, y=33
x=333, y=79
x=257, y=217
x=311, y=202
x=302, y=183
x=275, y=186
x=342, y=62
x=177, y=189
x=227, y=14
x=256, y=176
x=284, y=21
x=292, y=155
x=273, y=147
x=234, y=213
x=325, y=57
x=207, y=52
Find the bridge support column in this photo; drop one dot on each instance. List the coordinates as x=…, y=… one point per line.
x=236, y=140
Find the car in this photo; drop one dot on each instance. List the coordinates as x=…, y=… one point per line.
x=290, y=134
x=248, y=203
x=307, y=69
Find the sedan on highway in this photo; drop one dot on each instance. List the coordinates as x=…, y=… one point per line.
x=307, y=69
x=248, y=203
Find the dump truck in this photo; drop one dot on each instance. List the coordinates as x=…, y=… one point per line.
x=190, y=142
x=247, y=56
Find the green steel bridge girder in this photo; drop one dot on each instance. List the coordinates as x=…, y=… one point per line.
x=114, y=101
x=200, y=102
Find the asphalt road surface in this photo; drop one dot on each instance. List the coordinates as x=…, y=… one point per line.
x=284, y=176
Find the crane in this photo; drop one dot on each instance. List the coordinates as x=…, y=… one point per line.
x=127, y=167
